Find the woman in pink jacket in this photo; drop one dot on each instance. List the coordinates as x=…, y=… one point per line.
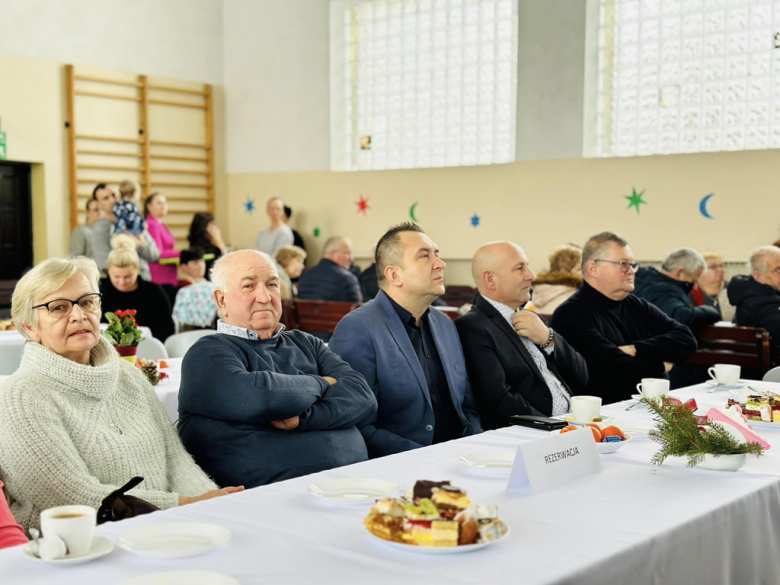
x=155, y=210
x=11, y=533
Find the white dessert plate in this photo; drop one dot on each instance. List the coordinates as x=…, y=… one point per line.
x=440, y=550
x=606, y=448
x=496, y=463
x=713, y=385
x=353, y=491
x=101, y=546
x=183, y=578
x=173, y=541
x=764, y=425
x=569, y=418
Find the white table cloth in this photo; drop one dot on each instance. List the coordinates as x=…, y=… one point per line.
x=634, y=523
x=15, y=338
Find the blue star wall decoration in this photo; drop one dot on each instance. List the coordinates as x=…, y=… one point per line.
x=475, y=220
x=249, y=205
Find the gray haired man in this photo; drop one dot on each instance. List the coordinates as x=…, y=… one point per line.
x=669, y=289
x=757, y=297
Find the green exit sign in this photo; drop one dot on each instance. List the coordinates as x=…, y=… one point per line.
x=3, y=150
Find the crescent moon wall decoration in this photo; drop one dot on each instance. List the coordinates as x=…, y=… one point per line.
x=411, y=211
x=703, y=206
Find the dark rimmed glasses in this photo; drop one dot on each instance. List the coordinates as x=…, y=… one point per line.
x=624, y=266
x=89, y=303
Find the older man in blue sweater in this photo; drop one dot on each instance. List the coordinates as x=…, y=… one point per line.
x=259, y=404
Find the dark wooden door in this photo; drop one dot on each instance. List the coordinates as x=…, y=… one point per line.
x=16, y=244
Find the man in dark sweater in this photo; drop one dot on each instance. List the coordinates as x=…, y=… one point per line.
x=757, y=297
x=670, y=289
x=331, y=279
x=259, y=404
x=623, y=338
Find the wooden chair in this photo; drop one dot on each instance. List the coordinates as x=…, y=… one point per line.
x=747, y=347
x=451, y=312
x=289, y=315
x=320, y=316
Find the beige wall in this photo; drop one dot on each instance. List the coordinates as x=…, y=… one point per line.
x=33, y=112
x=538, y=204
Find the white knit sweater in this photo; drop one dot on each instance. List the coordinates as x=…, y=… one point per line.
x=71, y=434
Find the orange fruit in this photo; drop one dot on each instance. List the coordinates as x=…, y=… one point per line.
x=613, y=431
x=594, y=425
x=569, y=428
x=596, y=434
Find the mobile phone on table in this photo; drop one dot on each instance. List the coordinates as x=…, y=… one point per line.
x=542, y=423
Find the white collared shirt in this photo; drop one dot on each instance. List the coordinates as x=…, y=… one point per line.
x=559, y=394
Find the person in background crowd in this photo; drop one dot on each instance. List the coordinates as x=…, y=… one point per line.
x=127, y=214
x=262, y=404
x=757, y=297
x=123, y=290
x=205, y=234
x=331, y=280
x=552, y=288
x=11, y=534
x=103, y=231
x=711, y=289
x=192, y=267
x=369, y=282
x=195, y=307
x=164, y=273
x=81, y=239
x=516, y=363
x=409, y=353
x=76, y=421
x=297, y=239
x=623, y=338
x=290, y=259
x=278, y=234
x=670, y=289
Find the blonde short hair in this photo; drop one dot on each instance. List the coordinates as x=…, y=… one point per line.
x=565, y=258
x=287, y=254
x=123, y=254
x=711, y=256
x=47, y=277
x=127, y=190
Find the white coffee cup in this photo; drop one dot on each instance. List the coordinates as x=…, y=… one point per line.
x=654, y=388
x=73, y=524
x=585, y=408
x=725, y=374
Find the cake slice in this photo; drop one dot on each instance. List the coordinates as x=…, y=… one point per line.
x=444, y=533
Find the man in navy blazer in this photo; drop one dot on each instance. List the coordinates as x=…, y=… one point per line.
x=409, y=353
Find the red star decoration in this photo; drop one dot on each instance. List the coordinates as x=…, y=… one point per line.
x=362, y=205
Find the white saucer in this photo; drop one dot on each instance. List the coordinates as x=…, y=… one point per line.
x=569, y=418
x=182, y=578
x=173, y=541
x=440, y=550
x=101, y=546
x=495, y=463
x=713, y=385
x=353, y=491
x=759, y=424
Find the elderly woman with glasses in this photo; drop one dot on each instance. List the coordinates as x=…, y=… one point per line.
x=76, y=421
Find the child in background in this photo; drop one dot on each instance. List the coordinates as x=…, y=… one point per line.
x=195, y=307
x=192, y=267
x=128, y=215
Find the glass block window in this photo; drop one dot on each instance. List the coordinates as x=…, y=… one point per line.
x=423, y=83
x=680, y=76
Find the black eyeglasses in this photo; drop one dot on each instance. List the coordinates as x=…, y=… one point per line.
x=624, y=266
x=89, y=303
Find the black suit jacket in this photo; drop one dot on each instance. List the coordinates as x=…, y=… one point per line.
x=503, y=374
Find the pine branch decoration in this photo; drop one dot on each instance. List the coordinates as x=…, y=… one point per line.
x=680, y=434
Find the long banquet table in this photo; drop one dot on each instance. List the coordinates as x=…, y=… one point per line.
x=633, y=523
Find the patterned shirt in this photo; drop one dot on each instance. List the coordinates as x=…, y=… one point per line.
x=195, y=304
x=559, y=394
x=243, y=332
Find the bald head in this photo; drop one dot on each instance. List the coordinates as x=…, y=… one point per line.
x=502, y=273
x=227, y=265
x=339, y=250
